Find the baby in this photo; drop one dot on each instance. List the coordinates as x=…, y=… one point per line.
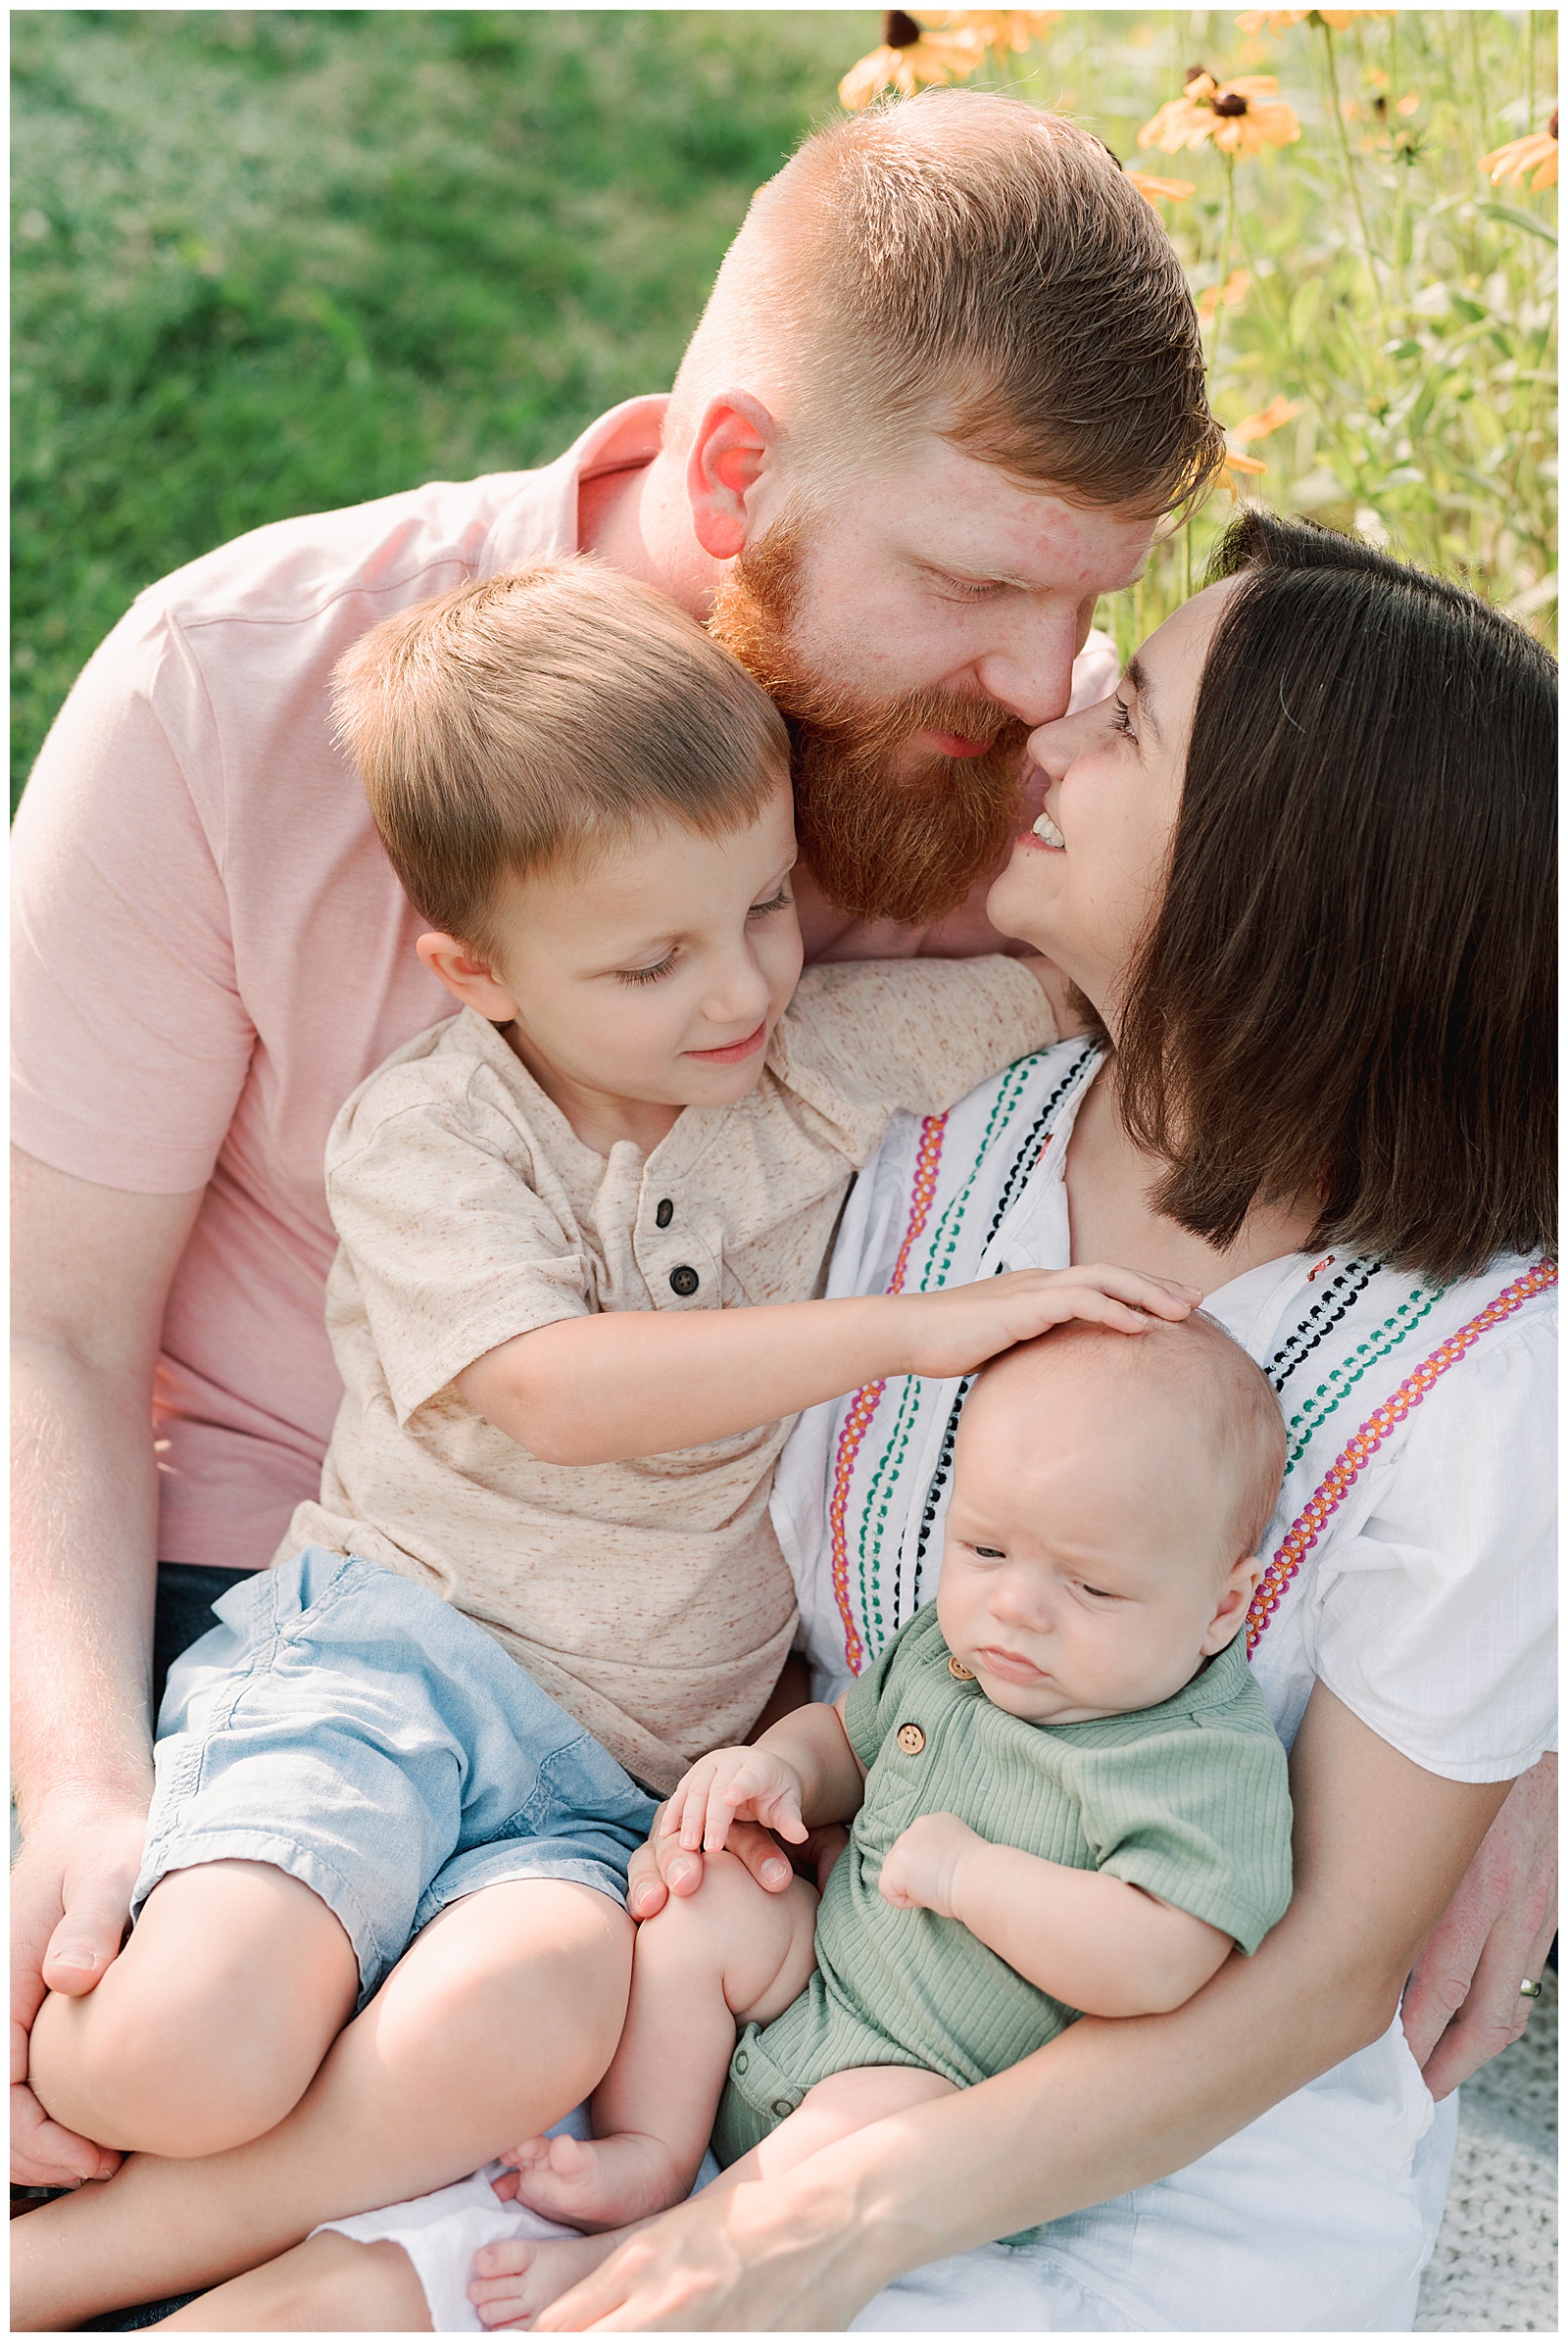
x=582, y=1225
x=1067, y=1793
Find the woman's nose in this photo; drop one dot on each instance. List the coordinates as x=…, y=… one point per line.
x=1053, y=746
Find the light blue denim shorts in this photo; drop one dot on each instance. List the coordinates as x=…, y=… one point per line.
x=351, y=1727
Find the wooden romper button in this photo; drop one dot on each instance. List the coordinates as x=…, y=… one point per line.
x=955, y=1667
x=910, y=1739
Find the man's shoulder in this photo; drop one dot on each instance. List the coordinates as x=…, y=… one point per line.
x=290, y=572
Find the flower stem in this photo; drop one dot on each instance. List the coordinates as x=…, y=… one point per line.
x=1350, y=180
x=1224, y=271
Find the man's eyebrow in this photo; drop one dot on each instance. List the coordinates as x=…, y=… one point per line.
x=1138, y=677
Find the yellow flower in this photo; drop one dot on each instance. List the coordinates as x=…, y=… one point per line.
x=1235, y=469
x=1007, y=30
x=908, y=58
x=1538, y=153
x=1241, y=117
x=1233, y=293
x=1157, y=190
x=1272, y=417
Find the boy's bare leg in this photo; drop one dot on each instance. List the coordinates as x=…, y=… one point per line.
x=328, y=2285
x=499, y=2018
x=513, y=2282
x=732, y=1954
x=210, y=2025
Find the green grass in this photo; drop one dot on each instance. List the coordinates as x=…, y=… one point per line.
x=272, y=260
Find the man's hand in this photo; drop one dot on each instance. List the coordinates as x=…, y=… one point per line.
x=70, y=1896
x=1463, y=2002
x=751, y=1785
x=920, y=1872
x=954, y=1332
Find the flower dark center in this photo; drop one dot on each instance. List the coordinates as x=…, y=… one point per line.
x=899, y=29
x=1228, y=101
x=1194, y=72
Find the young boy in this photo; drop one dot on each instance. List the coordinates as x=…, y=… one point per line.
x=581, y=1224
x=1067, y=1793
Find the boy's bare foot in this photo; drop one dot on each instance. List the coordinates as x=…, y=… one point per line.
x=596, y=2183
x=513, y=2282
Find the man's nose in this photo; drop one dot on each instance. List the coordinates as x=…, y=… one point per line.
x=1033, y=674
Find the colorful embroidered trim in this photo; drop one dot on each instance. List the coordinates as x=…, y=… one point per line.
x=1348, y=1466
x=857, y=1421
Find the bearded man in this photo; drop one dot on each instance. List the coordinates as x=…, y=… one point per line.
x=949, y=379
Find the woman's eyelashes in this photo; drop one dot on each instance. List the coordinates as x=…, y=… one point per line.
x=779, y=901
x=1122, y=719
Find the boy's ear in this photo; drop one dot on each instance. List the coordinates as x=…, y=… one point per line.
x=1236, y=1596
x=734, y=441
x=471, y=981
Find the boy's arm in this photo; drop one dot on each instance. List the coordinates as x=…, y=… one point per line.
x=601, y=1388
x=1089, y=1939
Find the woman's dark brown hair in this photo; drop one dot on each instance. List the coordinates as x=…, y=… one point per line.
x=1348, y=991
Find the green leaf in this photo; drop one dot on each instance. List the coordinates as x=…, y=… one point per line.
x=1509, y=214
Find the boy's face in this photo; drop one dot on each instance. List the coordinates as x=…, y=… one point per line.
x=1084, y=1573
x=657, y=973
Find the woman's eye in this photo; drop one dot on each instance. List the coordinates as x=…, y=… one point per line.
x=779, y=901
x=646, y=975
x=1122, y=720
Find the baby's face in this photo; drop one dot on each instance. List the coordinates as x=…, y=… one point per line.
x=1085, y=1572
x=659, y=972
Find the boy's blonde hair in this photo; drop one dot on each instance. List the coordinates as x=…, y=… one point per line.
x=531, y=719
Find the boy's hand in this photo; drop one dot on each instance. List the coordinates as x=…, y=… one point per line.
x=750, y=1784
x=919, y=1871
x=952, y=1332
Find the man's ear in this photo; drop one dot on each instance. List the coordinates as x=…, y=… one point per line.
x=471, y=981
x=1241, y=1584
x=735, y=441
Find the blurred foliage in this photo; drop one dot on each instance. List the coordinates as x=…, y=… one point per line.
x=272, y=260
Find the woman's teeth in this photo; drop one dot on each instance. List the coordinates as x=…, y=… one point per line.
x=1047, y=829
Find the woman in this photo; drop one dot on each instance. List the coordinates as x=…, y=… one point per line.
x=1311, y=898
x=1315, y=916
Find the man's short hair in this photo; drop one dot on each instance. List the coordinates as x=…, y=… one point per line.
x=533, y=718
x=965, y=263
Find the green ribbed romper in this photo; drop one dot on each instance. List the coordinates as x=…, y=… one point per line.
x=1188, y=1800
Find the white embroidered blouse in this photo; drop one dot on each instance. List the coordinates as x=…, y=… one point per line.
x=1412, y=1555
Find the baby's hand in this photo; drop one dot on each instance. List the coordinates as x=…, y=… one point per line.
x=952, y=1332
x=919, y=1870
x=749, y=1785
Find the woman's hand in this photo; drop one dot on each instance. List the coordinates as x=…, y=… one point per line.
x=1463, y=2002
x=954, y=1332
x=664, y=1867
x=753, y=1785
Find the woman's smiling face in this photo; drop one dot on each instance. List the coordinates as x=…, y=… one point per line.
x=1081, y=885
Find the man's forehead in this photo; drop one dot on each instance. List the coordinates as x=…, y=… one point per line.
x=952, y=510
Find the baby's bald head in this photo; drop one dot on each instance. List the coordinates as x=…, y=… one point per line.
x=1181, y=1405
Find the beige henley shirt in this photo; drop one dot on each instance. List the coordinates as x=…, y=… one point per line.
x=649, y=1597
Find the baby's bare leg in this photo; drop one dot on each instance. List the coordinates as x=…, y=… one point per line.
x=729, y=1953
x=331, y=2284
x=210, y=2025
x=502, y=2016
x=513, y=2282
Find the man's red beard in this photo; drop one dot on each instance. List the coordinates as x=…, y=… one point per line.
x=882, y=841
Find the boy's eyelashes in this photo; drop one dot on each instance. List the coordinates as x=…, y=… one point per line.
x=651, y=975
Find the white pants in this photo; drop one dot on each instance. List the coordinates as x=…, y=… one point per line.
x=1317, y=2219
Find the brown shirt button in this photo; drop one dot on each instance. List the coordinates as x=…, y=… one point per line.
x=910, y=1739
x=955, y=1667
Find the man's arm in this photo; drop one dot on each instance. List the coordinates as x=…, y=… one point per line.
x=1108, y=2106
x=91, y=1271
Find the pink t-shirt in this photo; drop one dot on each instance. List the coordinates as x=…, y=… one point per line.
x=211, y=949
